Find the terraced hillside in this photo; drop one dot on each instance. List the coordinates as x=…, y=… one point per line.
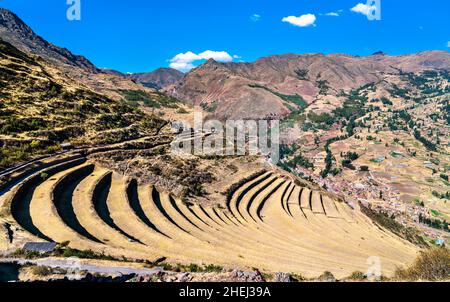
x=270, y=222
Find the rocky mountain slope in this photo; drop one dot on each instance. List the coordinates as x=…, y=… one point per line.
x=39, y=109
x=16, y=32
x=277, y=85
x=66, y=64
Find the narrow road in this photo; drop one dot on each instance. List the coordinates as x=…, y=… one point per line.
x=76, y=265
x=24, y=165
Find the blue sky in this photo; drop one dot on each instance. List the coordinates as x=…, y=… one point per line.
x=141, y=35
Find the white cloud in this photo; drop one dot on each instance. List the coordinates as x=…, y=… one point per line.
x=220, y=56
x=302, y=21
x=255, y=17
x=332, y=14
x=448, y=44
x=181, y=66
x=185, y=61
x=185, y=57
x=364, y=9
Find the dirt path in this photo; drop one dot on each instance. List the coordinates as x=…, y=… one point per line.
x=78, y=265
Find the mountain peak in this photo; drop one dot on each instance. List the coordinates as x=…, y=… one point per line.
x=16, y=32
x=209, y=63
x=12, y=21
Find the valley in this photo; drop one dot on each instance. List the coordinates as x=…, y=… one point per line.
x=86, y=164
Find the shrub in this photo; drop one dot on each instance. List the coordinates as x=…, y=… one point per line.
x=357, y=276
x=352, y=156
x=348, y=164
x=166, y=266
x=432, y=265
x=323, y=86
x=211, y=268
x=327, y=277
x=302, y=74
x=68, y=252
x=34, y=144
x=386, y=101
x=21, y=253
x=41, y=271
x=192, y=268
x=181, y=111
x=302, y=161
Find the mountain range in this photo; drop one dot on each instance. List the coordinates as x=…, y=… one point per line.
x=263, y=88
x=270, y=87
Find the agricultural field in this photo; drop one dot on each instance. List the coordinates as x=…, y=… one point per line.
x=270, y=221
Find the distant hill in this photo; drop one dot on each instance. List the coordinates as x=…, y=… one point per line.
x=158, y=78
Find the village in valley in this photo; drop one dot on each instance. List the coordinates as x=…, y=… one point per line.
x=395, y=158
